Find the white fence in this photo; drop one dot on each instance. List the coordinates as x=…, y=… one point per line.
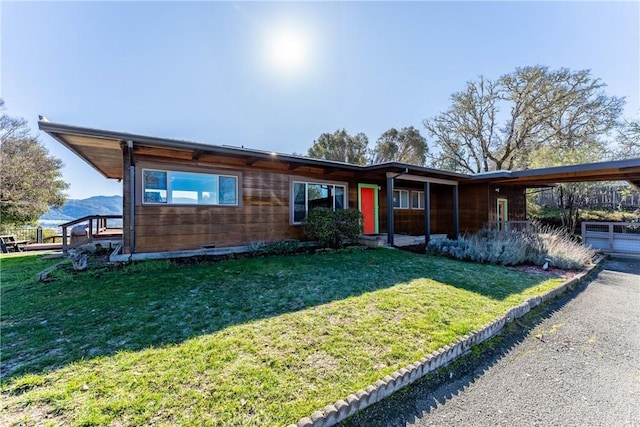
x=612, y=237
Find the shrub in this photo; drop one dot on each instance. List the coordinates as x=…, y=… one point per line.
x=333, y=229
x=516, y=247
x=563, y=251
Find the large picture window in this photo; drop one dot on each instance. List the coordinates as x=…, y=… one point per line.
x=400, y=199
x=309, y=195
x=189, y=188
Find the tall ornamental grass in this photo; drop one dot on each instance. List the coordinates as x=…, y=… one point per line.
x=517, y=247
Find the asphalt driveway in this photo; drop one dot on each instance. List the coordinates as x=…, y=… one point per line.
x=576, y=362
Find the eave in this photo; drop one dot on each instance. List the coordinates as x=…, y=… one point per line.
x=102, y=150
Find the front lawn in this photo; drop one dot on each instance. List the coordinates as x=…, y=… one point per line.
x=261, y=341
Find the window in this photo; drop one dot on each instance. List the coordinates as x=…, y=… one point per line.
x=417, y=200
x=309, y=195
x=400, y=199
x=189, y=188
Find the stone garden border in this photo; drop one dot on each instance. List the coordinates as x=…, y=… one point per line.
x=342, y=409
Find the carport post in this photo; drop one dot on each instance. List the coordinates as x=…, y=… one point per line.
x=427, y=213
x=390, y=211
x=456, y=223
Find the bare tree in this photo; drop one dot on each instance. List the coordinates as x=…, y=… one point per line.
x=628, y=139
x=498, y=124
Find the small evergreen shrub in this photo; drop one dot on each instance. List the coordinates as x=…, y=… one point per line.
x=516, y=247
x=333, y=229
x=349, y=224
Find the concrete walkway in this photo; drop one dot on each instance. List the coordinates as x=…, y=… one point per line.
x=576, y=364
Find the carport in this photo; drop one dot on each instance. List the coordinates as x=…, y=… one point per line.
x=609, y=237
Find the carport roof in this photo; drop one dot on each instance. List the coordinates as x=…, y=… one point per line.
x=614, y=170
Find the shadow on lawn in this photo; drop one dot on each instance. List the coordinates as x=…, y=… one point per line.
x=151, y=304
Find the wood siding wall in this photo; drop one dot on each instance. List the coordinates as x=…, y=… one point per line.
x=411, y=221
x=517, y=209
x=476, y=206
x=263, y=214
x=473, y=208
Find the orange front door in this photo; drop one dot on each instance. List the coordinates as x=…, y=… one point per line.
x=368, y=209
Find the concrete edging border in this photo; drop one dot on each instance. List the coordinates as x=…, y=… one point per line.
x=342, y=409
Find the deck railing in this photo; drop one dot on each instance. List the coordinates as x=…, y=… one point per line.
x=95, y=225
x=23, y=233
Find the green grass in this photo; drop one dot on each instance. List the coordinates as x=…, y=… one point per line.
x=261, y=341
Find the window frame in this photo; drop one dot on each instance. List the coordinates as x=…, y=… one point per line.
x=301, y=180
x=420, y=205
x=400, y=191
x=168, y=189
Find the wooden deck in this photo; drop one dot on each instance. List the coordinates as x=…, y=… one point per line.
x=108, y=233
x=55, y=242
x=42, y=247
x=96, y=229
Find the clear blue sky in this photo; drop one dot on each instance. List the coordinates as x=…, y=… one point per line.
x=275, y=76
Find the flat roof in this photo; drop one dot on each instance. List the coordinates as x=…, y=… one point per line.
x=103, y=150
x=613, y=170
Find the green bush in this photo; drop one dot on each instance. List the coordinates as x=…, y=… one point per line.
x=333, y=229
x=516, y=247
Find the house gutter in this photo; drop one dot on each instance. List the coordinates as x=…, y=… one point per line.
x=132, y=199
x=404, y=172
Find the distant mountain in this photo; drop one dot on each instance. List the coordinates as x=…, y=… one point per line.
x=78, y=208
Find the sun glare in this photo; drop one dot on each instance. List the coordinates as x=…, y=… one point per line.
x=287, y=50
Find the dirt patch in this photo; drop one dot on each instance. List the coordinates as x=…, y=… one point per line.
x=551, y=272
x=323, y=364
x=31, y=415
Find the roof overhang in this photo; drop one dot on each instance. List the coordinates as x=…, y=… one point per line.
x=615, y=170
x=103, y=150
x=406, y=172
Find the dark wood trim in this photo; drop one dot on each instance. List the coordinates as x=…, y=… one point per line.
x=331, y=171
x=390, y=211
x=427, y=213
x=456, y=216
